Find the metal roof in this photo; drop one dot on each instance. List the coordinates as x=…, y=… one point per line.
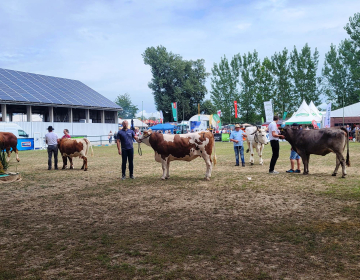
x=33, y=89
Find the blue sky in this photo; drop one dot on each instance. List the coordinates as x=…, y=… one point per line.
x=100, y=42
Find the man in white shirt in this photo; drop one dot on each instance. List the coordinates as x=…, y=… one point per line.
x=274, y=135
x=51, y=140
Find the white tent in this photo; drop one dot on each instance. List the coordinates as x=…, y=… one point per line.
x=348, y=111
x=315, y=110
x=304, y=115
x=137, y=122
x=203, y=118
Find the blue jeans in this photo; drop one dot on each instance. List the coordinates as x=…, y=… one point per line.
x=237, y=150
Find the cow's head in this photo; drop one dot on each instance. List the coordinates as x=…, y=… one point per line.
x=144, y=138
x=261, y=136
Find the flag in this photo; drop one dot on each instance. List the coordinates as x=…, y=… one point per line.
x=219, y=113
x=161, y=117
x=327, y=116
x=284, y=115
x=210, y=120
x=174, y=110
x=262, y=120
x=236, y=107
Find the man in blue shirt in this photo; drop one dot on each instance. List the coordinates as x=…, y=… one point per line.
x=124, y=142
x=237, y=137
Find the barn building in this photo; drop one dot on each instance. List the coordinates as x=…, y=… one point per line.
x=63, y=103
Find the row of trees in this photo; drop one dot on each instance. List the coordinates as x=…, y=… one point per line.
x=286, y=78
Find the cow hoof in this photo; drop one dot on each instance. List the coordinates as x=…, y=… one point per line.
x=207, y=179
x=64, y=167
x=167, y=178
x=163, y=178
x=85, y=169
x=251, y=163
x=82, y=167
x=305, y=173
x=18, y=160
x=334, y=174
x=71, y=167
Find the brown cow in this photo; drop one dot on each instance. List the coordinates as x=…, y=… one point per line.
x=74, y=148
x=8, y=141
x=169, y=147
x=319, y=142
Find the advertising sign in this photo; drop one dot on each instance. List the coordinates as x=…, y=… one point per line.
x=25, y=144
x=174, y=110
x=217, y=136
x=225, y=137
x=269, y=114
x=327, y=116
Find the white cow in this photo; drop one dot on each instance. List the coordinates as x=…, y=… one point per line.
x=256, y=139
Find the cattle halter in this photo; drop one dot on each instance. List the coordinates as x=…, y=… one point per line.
x=140, y=141
x=256, y=139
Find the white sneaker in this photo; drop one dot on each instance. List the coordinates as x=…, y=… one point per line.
x=273, y=172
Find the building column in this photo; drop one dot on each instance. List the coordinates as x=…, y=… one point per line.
x=3, y=112
x=102, y=114
x=87, y=115
x=28, y=113
x=70, y=112
x=51, y=114
x=116, y=116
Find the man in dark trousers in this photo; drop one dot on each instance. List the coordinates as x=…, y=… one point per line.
x=51, y=140
x=274, y=136
x=125, y=147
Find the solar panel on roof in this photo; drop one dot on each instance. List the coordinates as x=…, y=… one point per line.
x=30, y=88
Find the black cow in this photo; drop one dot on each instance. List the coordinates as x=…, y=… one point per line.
x=319, y=142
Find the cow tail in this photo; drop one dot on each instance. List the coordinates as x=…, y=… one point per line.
x=347, y=144
x=214, y=158
x=92, y=151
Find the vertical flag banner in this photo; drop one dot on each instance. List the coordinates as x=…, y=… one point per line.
x=216, y=118
x=236, y=107
x=284, y=115
x=174, y=111
x=268, y=111
x=327, y=116
x=262, y=120
x=219, y=113
x=210, y=121
x=161, y=117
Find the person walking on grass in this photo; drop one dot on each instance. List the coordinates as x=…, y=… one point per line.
x=51, y=140
x=237, y=137
x=274, y=136
x=125, y=147
x=294, y=156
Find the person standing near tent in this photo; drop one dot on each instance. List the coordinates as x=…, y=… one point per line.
x=125, y=147
x=237, y=137
x=274, y=135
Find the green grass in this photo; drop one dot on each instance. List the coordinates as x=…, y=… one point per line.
x=71, y=224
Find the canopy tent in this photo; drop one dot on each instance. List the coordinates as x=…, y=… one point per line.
x=315, y=110
x=348, y=111
x=207, y=118
x=304, y=115
x=137, y=122
x=163, y=127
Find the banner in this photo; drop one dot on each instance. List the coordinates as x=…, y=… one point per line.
x=216, y=118
x=327, y=115
x=284, y=115
x=269, y=114
x=161, y=117
x=174, y=110
x=236, y=107
x=314, y=123
x=219, y=113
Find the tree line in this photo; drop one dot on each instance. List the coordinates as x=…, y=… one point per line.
x=286, y=78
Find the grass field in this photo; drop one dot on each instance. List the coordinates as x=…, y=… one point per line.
x=243, y=224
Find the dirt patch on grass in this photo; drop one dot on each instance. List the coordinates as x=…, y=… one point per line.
x=90, y=225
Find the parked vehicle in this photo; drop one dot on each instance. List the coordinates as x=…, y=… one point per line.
x=13, y=128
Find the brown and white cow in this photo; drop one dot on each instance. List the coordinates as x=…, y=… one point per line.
x=74, y=148
x=169, y=147
x=8, y=141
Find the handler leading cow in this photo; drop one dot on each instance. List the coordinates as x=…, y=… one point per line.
x=169, y=147
x=319, y=142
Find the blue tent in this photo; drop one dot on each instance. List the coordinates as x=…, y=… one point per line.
x=163, y=127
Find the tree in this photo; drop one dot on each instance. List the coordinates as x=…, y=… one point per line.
x=175, y=80
x=249, y=85
x=207, y=107
x=224, y=86
x=128, y=109
x=303, y=67
x=283, y=100
x=266, y=85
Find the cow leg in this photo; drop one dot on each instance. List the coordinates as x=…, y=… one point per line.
x=341, y=159
x=84, y=163
x=164, y=165
x=260, y=150
x=167, y=169
x=305, y=161
x=252, y=154
x=64, y=162
x=71, y=163
x=208, y=163
x=8, y=154
x=17, y=154
x=336, y=166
